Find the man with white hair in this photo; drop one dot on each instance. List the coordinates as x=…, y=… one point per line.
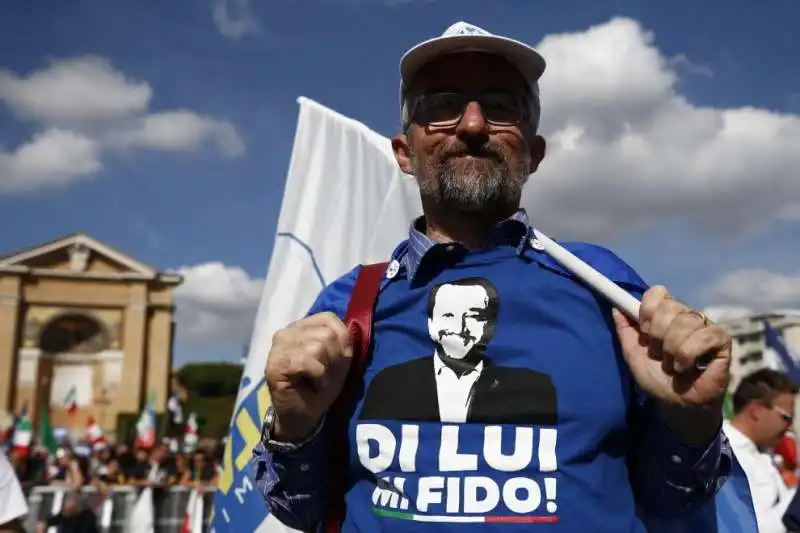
x=638, y=425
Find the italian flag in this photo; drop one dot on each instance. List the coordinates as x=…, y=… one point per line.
x=512, y=519
x=190, y=434
x=94, y=433
x=193, y=517
x=146, y=426
x=46, y=437
x=23, y=436
x=71, y=400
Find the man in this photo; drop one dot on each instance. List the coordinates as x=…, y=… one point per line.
x=12, y=500
x=459, y=383
x=638, y=426
x=763, y=407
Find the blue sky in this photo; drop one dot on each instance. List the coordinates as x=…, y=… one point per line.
x=201, y=203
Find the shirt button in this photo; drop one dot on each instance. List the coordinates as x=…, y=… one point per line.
x=392, y=269
x=536, y=244
x=304, y=467
x=676, y=459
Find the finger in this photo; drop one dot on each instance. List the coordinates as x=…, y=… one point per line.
x=663, y=317
x=622, y=321
x=627, y=330
x=665, y=312
x=311, y=364
x=650, y=302
x=679, y=330
x=331, y=339
x=707, y=340
x=332, y=322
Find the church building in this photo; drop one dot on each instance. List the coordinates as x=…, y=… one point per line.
x=85, y=330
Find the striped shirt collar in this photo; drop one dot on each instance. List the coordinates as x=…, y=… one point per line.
x=516, y=228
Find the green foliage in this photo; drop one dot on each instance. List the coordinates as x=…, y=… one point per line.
x=211, y=388
x=213, y=414
x=211, y=380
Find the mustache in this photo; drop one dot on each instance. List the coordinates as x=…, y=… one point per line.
x=487, y=150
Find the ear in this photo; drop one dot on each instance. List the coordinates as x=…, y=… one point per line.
x=402, y=152
x=538, y=149
x=754, y=411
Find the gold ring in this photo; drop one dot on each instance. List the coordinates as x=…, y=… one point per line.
x=699, y=314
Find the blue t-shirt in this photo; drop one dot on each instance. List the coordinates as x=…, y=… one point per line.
x=475, y=415
x=497, y=396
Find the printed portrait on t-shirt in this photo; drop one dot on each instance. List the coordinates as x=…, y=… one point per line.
x=459, y=381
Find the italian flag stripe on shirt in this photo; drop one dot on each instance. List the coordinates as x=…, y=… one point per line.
x=484, y=519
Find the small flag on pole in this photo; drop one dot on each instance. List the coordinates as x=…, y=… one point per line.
x=146, y=426
x=190, y=434
x=23, y=436
x=71, y=400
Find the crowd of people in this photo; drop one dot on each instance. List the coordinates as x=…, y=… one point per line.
x=103, y=468
x=106, y=466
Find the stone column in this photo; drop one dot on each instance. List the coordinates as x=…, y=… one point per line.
x=159, y=360
x=10, y=315
x=134, y=335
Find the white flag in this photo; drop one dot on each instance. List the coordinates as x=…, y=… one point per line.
x=345, y=203
x=193, y=516
x=141, y=519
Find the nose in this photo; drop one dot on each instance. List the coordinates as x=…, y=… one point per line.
x=472, y=122
x=464, y=329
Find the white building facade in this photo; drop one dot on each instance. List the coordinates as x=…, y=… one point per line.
x=749, y=351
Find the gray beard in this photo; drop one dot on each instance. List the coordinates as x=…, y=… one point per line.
x=497, y=188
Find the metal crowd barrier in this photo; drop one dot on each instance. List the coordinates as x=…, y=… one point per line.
x=169, y=507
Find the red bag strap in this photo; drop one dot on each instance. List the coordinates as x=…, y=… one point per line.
x=358, y=319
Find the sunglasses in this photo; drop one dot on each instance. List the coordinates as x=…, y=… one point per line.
x=446, y=109
x=787, y=417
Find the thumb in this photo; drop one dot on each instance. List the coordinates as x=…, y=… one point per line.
x=627, y=329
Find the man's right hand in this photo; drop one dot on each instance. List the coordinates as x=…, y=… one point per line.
x=306, y=370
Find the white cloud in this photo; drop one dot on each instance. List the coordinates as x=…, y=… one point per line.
x=626, y=150
x=76, y=89
x=86, y=108
x=723, y=313
x=181, y=131
x=757, y=288
x=53, y=157
x=216, y=303
x=234, y=18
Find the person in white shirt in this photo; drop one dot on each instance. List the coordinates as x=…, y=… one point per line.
x=763, y=407
x=13, y=505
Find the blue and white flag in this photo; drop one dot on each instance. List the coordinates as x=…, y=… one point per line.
x=789, y=360
x=346, y=203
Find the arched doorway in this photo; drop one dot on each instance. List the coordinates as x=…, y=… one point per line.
x=68, y=343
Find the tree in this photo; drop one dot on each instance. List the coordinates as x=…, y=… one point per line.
x=212, y=389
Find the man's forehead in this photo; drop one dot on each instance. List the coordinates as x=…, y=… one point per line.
x=469, y=71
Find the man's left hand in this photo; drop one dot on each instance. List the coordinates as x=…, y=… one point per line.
x=663, y=350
